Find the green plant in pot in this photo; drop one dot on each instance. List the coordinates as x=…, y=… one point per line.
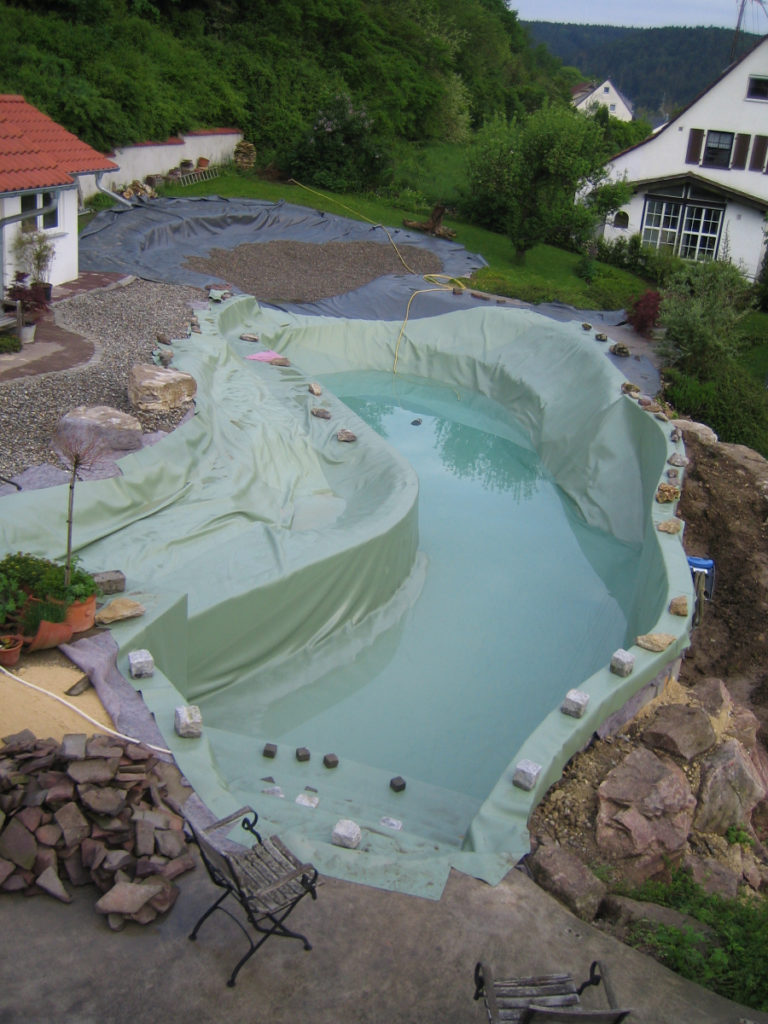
x=12, y=599
x=28, y=299
x=33, y=251
x=25, y=570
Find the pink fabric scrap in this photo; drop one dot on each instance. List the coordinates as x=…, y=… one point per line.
x=264, y=357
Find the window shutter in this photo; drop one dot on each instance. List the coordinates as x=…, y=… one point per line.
x=759, y=147
x=740, y=149
x=695, y=142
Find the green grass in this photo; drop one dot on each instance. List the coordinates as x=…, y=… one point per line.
x=754, y=329
x=434, y=172
x=547, y=275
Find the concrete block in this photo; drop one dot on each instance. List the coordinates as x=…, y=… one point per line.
x=188, y=722
x=302, y=754
x=397, y=784
x=110, y=582
x=141, y=664
x=622, y=662
x=307, y=799
x=346, y=833
x=270, y=750
x=330, y=761
x=526, y=774
x=575, y=703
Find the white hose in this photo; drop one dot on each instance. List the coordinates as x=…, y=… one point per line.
x=83, y=714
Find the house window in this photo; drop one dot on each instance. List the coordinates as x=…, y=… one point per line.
x=606, y=88
x=661, y=223
x=701, y=227
x=621, y=219
x=717, y=149
x=36, y=201
x=612, y=106
x=691, y=230
x=757, y=89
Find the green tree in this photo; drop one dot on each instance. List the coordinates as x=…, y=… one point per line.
x=525, y=177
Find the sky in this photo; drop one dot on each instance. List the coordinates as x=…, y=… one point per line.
x=649, y=13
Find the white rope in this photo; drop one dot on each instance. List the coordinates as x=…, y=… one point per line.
x=83, y=714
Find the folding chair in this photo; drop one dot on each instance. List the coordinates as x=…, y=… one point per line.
x=543, y=999
x=267, y=880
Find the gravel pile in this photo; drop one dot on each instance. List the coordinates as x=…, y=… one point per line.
x=285, y=271
x=123, y=323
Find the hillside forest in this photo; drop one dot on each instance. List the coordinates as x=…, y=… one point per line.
x=122, y=71
x=659, y=70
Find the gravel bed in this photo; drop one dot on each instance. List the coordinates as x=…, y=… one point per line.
x=123, y=324
x=284, y=271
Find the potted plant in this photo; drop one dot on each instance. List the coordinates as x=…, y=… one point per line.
x=29, y=303
x=10, y=648
x=33, y=251
x=43, y=625
x=74, y=590
x=12, y=600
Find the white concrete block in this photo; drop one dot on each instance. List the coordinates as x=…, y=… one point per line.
x=188, y=722
x=346, y=833
x=141, y=664
x=526, y=774
x=622, y=662
x=308, y=799
x=575, y=703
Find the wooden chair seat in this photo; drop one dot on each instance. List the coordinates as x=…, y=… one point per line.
x=266, y=880
x=541, y=998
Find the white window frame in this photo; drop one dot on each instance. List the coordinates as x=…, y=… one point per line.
x=691, y=229
x=762, y=87
x=36, y=201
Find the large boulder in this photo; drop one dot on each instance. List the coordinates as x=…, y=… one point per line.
x=681, y=730
x=730, y=787
x=100, y=425
x=563, y=874
x=645, y=811
x=156, y=389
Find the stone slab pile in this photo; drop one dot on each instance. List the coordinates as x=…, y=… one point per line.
x=90, y=811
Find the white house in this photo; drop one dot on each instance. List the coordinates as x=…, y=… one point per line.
x=701, y=182
x=40, y=163
x=587, y=95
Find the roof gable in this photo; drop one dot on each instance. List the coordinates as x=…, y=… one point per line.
x=35, y=152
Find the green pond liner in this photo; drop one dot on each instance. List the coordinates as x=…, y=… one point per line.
x=256, y=540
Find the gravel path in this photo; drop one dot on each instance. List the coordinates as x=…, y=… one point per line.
x=123, y=324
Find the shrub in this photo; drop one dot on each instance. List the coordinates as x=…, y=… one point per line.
x=733, y=404
x=9, y=343
x=643, y=314
x=342, y=151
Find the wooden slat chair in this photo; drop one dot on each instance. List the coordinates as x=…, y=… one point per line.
x=267, y=880
x=543, y=999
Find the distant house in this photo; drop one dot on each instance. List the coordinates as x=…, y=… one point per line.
x=701, y=182
x=40, y=163
x=588, y=95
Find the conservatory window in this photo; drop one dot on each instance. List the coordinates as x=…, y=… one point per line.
x=701, y=227
x=662, y=220
x=691, y=231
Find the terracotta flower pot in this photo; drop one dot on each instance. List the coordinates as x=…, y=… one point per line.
x=202, y=163
x=49, y=634
x=81, y=614
x=10, y=654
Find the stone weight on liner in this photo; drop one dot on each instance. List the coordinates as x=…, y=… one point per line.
x=622, y=663
x=141, y=664
x=575, y=703
x=526, y=774
x=346, y=833
x=159, y=389
x=188, y=722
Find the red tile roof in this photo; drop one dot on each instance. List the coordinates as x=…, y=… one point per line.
x=35, y=152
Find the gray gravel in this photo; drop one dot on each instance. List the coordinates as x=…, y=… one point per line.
x=123, y=323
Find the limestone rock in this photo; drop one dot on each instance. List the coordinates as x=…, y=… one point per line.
x=679, y=606
x=101, y=425
x=50, y=882
x=667, y=493
x=681, y=730
x=701, y=431
x=624, y=912
x=127, y=897
x=18, y=845
x=120, y=608
x=713, y=876
x=322, y=414
x=672, y=526
x=655, y=641
x=645, y=812
x=619, y=349
x=564, y=876
x=158, y=389
x=315, y=389
x=346, y=435
x=730, y=788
